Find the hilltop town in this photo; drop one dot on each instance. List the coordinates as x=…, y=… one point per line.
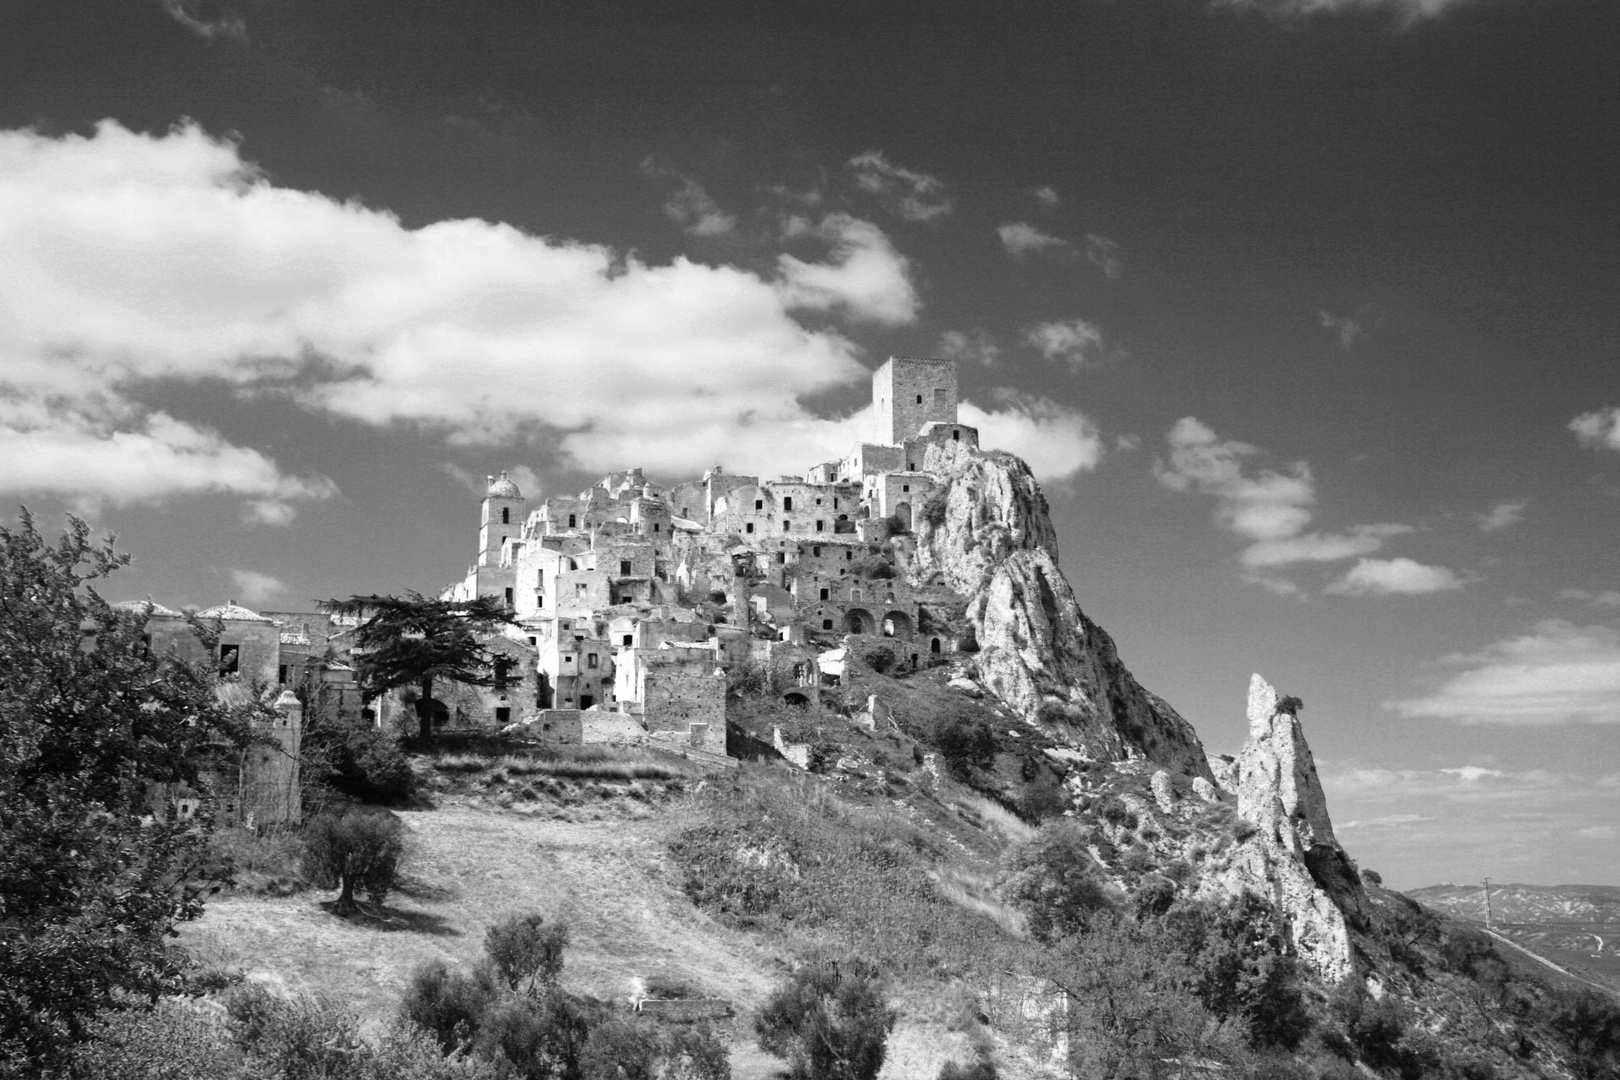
x=631, y=601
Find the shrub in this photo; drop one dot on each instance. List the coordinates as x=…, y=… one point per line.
x=361, y=850
x=447, y=1004
x=934, y=509
x=1288, y=705
x=169, y=1041
x=370, y=766
x=1372, y=877
x=1112, y=809
x=526, y=953
x=1055, y=881
x=880, y=659
x=981, y=1069
x=542, y=1036
x=966, y=744
x=829, y=1021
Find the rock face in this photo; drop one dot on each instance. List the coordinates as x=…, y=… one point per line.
x=1292, y=856
x=990, y=537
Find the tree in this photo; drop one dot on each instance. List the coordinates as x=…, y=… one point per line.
x=527, y=953
x=96, y=869
x=361, y=850
x=829, y=1021
x=413, y=641
x=1055, y=881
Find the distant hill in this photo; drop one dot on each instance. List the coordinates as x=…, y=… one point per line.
x=1574, y=926
x=1516, y=903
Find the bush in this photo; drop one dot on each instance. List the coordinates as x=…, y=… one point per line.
x=526, y=953
x=1372, y=877
x=934, y=509
x=966, y=744
x=361, y=850
x=447, y=1004
x=169, y=1041
x=880, y=659
x=1112, y=809
x=829, y=1021
x=370, y=766
x=981, y=1069
x=1055, y=882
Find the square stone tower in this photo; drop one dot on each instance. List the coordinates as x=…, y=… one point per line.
x=910, y=391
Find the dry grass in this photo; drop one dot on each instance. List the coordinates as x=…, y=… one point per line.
x=589, y=763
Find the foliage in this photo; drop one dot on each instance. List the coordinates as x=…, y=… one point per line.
x=880, y=659
x=413, y=641
x=1242, y=968
x=359, y=850
x=934, y=509
x=93, y=728
x=1590, y=1022
x=171, y=1041
x=315, y=1039
x=1372, y=877
x=981, y=1069
x=447, y=1004
x=1288, y=705
x=828, y=1021
x=1378, y=1030
x=750, y=678
x=966, y=745
x=1054, y=880
x=1132, y=1007
x=371, y=767
x=527, y=953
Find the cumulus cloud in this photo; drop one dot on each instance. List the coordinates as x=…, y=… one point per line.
x=1047, y=196
x=133, y=258
x=1406, y=12
x=1598, y=430
x=1057, y=441
x=1021, y=238
x=866, y=278
x=256, y=588
x=1395, y=577
x=915, y=196
x=1271, y=509
x=1501, y=516
x=1104, y=254
x=192, y=15
x=969, y=346
x=1073, y=342
x=1556, y=673
x=697, y=214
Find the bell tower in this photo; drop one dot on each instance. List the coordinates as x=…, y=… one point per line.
x=500, y=516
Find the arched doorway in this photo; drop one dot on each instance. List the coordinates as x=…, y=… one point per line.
x=859, y=621
x=897, y=624
x=934, y=646
x=902, y=514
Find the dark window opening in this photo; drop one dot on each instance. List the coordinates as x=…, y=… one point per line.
x=573, y=520
x=748, y=528
x=624, y=567
x=591, y=661
x=826, y=624
x=230, y=659
x=956, y=435
x=503, y=666
x=506, y=516
x=281, y=673
x=629, y=639
x=919, y=399
x=787, y=526
x=586, y=701
x=759, y=504
x=815, y=550
x=826, y=594
x=508, y=597
x=503, y=715
x=787, y=503
x=821, y=526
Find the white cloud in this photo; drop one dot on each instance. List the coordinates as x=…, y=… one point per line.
x=1606, y=598
x=1104, y=254
x=1057, y=441
x=134, y=258
x=1395, y=577
x=1320, y=547
x=1047, y=195
x=1406, y=11
x=1599, y=832
x=188, y=13
x=913, y=195
x=1271, y=510
x=1020, y=238
x=1470, y=774
x=1501, y=516
x=970, y=346
x=867, y=278
x=1598, y=430
x=256, y=588
x=1384, y=822
x=1266, y=506
x=694, y=211
x=1074, y=342
x=1556, y=673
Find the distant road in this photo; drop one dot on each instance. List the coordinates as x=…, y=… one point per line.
x=1542, y=959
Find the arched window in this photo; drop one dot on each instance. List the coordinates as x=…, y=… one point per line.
x=506, y=516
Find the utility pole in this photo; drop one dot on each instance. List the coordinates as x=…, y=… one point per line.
x=1487, y=903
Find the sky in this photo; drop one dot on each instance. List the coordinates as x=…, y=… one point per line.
x=1303, y=311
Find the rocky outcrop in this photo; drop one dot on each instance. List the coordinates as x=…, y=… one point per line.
x=989, y=535
x=1291, y=856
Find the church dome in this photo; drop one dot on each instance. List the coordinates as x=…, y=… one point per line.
x=502, y=488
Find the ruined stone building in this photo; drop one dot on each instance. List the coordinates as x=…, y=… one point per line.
x=636, y=598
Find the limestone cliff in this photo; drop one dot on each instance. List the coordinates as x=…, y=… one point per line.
x=1292, y=856
x=989, y=534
